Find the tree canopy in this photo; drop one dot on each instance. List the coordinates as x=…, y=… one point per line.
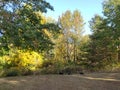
x=23, y=25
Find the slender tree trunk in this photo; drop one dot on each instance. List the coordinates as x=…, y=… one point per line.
x=74, y=52
x=119, y=55
x=67, y=51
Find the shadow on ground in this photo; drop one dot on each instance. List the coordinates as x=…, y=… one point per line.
x=94, y=81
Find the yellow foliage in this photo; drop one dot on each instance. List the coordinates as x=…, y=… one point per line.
x=27, y=6
x=40, y=16
x=23, y=60
x=47, y=33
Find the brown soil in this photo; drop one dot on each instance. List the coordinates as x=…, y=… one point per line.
x=94, y=81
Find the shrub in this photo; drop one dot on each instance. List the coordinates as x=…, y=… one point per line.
x=48, y=63
x=22, y=61
x=71, y=69
x=52, y=66
x=2, y=62
x=13, y=71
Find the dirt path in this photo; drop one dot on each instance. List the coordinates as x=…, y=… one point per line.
x=95, y=81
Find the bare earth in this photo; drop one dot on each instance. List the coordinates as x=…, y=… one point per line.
x=93, y=81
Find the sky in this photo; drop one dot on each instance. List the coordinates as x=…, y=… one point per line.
x=88, y=9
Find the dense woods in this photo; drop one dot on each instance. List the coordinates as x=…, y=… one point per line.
x=32, y=43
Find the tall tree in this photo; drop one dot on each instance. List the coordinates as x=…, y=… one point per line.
x=23, y=26
x=77, y=31
x=105, y=40
x=72, y=28
x=100, y=51
x=65, y=23
x=112, y=13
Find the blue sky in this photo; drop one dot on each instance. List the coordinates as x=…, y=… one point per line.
x=88, y=9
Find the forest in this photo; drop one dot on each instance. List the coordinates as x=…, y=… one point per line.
x=31, y=43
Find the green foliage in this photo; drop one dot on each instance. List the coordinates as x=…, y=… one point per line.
x=105, y=40
x=59, y=66
x=37, y=5
x=26, y=25
x=11, y=72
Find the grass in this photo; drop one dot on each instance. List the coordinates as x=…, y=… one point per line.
x=92, y=81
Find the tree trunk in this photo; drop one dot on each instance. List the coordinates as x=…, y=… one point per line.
x=119, y=55
x=74, y=52
x=67, y=57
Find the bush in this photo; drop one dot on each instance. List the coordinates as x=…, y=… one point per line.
x=52, y=66
x=71, y=69
x=48, y=63
x=60, y=67
x=22, y=61
x=2, y=62
x=11, y=72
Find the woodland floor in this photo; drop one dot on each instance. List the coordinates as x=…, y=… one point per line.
x=91, y=81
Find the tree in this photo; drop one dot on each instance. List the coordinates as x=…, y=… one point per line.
x=65, y=24
x=100, y=51
x=72, y=28
x=26, y=27
x=112, y=13
x=84, y=50
x=77, y=31
x=105, y=40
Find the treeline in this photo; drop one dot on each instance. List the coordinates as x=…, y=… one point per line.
x=104, y=47
x=32, y=43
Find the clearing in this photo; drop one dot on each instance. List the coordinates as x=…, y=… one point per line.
x=92, y=81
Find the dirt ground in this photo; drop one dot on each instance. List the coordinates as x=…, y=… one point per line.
x=93, y=81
